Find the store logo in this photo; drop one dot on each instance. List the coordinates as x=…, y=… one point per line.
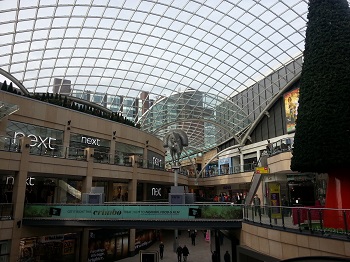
x=156, y=191
x=10, y=180
x=157, y=161
x=90, y=141
x=37, y=140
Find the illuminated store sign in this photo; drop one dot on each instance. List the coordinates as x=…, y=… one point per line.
x=90, y=141
x=156, y=161
x=10, y=180
x=156, y=191
x=37, y=141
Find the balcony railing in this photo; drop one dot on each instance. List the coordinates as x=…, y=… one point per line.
x=9, y=144
x=282, y=145
x=312, y=220
x=230, y=171
x=303, y=219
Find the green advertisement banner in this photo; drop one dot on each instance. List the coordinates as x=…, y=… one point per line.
x=133, y=212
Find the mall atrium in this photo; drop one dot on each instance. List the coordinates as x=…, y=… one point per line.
x=91, y=88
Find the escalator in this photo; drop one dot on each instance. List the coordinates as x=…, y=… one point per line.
x=261, y=168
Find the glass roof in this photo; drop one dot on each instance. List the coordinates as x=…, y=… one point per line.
x=164, y=64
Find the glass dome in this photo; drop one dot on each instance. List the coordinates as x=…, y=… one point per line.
x=163, y=64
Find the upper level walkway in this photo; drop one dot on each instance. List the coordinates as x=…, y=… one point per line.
x=203, y=215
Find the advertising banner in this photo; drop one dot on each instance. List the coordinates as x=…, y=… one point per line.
x=275, y=200
x=133, y=211
x=291, y=104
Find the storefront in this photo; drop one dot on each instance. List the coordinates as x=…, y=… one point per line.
x=44, y=141
x=211, y=169
x=304, y=189
x=301, y=189
x=108, y=245
x=157, y=192
x=225, y=166
x=155, y=160
x=58, y=248
x=79, y=142
x=123, y=152
x=112, y=245
x=5, y=250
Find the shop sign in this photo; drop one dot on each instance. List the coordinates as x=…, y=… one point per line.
x=156, y=191
x=300, y=177
x=37, y=140
x=52, y=238
x=10, y=180
x=156, y=161
x=90, y=141
x=224, y=161
x=262, y=170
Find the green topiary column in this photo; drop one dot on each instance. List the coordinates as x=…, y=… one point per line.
x=322, y=138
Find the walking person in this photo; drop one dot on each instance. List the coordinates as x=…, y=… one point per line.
x=179, y=253
x=269, y=147
x=161, y=250
x=193, y=238
x=227, y=257
x=214, y=257
x=285, y=204
x=257, y=205
x=185, y=253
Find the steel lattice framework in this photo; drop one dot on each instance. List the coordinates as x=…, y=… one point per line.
x=164, y=64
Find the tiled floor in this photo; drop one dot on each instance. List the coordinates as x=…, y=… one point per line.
x=201, y=252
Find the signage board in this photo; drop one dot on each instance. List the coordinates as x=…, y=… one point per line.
x=262, y=170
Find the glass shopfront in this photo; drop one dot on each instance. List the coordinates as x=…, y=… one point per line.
x=301, y=189
x=41, y=189
x=4, y=250
x=108, y=245
x=44, y=141
x=224, y=166
x=123, y=152
x=79, y=142
x=154, y=160
x=60, y=247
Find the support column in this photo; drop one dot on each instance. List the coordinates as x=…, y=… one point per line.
x=258, y=157
x=109, y=197
x=18, y=198
x=112, y=149
x=144, y=191
x=132, y=193
x=234, y=244
x=132, y=235
x=87, y=180
x=132, y=190
x=84, y=245
x=145, y=156
x=217, y=244
x=66, y=137
x=241, y=160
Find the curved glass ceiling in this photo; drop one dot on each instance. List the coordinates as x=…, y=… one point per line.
x=164, y=64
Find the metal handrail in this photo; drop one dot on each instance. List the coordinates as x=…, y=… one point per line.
x=9, y=144
x=312, y=219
